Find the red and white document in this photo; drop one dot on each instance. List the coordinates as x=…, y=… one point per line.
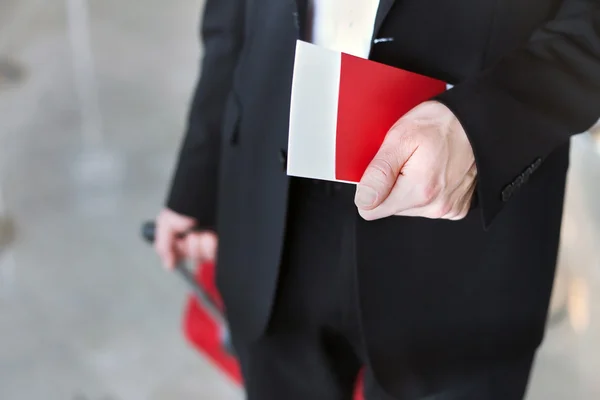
x=342, y=106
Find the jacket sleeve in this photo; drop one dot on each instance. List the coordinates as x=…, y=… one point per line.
x=530, y=102
x=194, y=185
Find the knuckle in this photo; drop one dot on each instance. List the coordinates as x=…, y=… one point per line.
x=381, y=168
x=444, y=209
x=428, y=193
x=464, y=214
x=409, y=139
x=461, y=215
x=431, y=191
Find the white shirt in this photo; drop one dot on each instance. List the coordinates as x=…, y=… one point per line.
x=344, y=25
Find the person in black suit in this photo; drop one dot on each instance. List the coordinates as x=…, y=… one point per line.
x=436, y=272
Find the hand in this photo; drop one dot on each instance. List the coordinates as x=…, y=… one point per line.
x=198, y=246
x=595, y=130
x=424, y=168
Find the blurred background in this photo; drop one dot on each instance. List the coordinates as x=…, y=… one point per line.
x=93, y=98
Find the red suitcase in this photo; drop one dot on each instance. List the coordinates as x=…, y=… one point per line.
x=203, y=324
x=210, y=337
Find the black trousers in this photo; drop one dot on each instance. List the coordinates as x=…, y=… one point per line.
x=313, y=347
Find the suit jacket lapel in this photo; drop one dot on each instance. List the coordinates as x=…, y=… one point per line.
x=384, y=8
x=301, y=17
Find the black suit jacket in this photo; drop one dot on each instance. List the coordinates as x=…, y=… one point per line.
x=527, y=77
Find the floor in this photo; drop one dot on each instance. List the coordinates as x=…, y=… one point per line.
x=87, y=142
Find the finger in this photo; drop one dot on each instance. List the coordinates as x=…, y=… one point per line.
x=210, y=247
x=466, y=204
x=164, y=245
x=170, y=258
x=444, y=205
x=403, y=196
x=169, y=246
x=192, y=247
x=465, y=196
x=181, y=249
x=416, y=188
x=460, y=214
x=202, y=247
x=430, y=198
x=381, y=174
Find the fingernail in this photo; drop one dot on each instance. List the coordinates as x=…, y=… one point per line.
x=365, y=196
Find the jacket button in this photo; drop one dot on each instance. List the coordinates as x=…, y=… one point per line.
x=283, y=158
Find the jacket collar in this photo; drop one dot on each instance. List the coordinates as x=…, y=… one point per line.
x=302, y=14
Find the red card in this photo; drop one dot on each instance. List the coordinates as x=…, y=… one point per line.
x=342, y=107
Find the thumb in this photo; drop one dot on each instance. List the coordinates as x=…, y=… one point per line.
x=381, y=174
